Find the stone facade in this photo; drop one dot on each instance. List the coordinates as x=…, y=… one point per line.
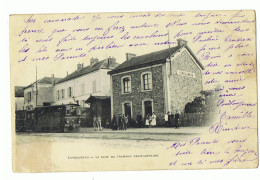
x=184, y=87
x=137, y=95
x=174, y=84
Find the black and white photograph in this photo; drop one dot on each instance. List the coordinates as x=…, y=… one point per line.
x=133, y=91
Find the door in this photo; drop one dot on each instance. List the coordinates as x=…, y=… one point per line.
x=148, y=108
x=128, y=111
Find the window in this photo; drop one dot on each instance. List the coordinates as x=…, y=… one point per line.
x=29, y=94
x=82, y=89
x=126, y=84
x=70, y=92
x=58, y=95
x=146, y=81
x=94, y=86
x=62, y=93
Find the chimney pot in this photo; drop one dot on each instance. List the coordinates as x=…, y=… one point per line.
x=79, y=66
x=93, y=60
x=129, y=56
x=181, y=42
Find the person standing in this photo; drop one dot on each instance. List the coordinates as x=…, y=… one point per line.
x=99, y=122
x=139, y=120
x=166, y=119
x=150, y=120
x=153, y=120
x=177, y=119
x=120, y=122
x=114, y=124
x=95, y=122
x=147, y=120
x=171, y=120
x=125, y=121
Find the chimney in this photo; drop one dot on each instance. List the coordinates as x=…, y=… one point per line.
x=52, y=79
x=111, y=61
x=93, y=61
x=181, y=42
x=79, y=66
x=129, y=56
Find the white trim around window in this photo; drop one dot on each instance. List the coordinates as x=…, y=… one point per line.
x=126, y=87
x=146, y=82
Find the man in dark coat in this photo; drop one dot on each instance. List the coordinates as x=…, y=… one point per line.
x=114, y=123
x=125, y=121
x=177, y=119
x=139, y=120
x=171, y=120
x=120, y=122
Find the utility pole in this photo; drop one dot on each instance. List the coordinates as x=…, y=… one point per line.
x=36, y=86
x=170, y=52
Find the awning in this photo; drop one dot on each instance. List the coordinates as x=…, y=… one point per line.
x=97, y=98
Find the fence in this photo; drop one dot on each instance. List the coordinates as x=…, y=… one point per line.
x=196, y=119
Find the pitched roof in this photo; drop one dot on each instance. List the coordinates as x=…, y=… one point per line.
x=19, y=91
x=153, y=58
x=144, y=60
x=45, y=80
x=88, y=69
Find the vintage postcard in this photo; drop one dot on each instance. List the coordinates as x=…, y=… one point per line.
x=134, y=91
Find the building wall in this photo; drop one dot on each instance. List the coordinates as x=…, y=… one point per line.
x=183, y=88
x=45, y=94
x=83, y=87
x=19, y=103
x=137, y=96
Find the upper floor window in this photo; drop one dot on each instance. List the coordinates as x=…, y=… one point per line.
x=29, y=94
x=63, y=93
x=58, y=95
x=94, y=85
x=146, y=81
x=126, y=84
x=70, y=92
x=82, y=89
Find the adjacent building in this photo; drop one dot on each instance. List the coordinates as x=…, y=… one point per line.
x=40, y=93
x=88, y=86
x=19, y=98
x=162, y=81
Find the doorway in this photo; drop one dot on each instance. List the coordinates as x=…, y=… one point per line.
x=128, y=110
x=148, y=107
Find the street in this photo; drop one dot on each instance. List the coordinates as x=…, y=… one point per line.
x=122, y=137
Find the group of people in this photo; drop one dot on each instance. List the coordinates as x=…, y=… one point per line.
x=172, y=119
x=120, y=122
x=150, y=120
